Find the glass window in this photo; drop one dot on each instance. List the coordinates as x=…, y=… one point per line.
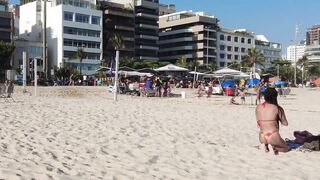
x=229, y=38
x=229, y=48
x=222, y=56
x=236, y=57
x=243, y=50
x=222, y=37
x=82, y=18
x=249, y=41
x=229, y=56
x=68, y=16
x=95, y=20
x=242, y=40
x=222, y=47
x=222, y=64
x=236, y=49
x=235, y=39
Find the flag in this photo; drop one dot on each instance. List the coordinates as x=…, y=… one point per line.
x=110, y=71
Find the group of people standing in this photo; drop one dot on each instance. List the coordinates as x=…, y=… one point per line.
x=6, y=89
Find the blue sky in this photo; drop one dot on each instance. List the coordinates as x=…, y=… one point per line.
x=275, y=19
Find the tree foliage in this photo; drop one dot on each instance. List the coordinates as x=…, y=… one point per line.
x=6, y=49
x=182, y=62
x=253, y=57
x=80, y=54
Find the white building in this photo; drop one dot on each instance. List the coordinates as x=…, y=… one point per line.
x=232, y=45
x=295, y=52
x=70, y=25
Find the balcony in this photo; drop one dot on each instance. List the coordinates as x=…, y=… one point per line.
x=151, y=16
x=148, y=37
x=147, y=26
x=119, y=13
x=123, y=28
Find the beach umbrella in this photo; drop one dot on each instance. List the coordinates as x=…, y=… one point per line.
x=170, y=67
x=227, y=83
x=317, y=82
x=227, y=71
x=251, y=82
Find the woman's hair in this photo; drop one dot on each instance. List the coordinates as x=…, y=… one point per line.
x=270, y=96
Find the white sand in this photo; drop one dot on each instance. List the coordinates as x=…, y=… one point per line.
x=80, y=133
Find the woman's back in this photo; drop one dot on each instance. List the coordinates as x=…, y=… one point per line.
x=267, y=116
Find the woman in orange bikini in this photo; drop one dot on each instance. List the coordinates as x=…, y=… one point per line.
x=269, y=115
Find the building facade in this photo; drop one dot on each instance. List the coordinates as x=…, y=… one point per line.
x=313, y=43
x=188, y=34
x=6, y=23
x=295, y=52
x=77, y=24
x=136, y=21
x=232, y=45
x=270, y=50
x=166, y=9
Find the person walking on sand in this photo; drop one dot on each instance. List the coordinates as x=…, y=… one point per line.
x=242, y=94
x=269, y=116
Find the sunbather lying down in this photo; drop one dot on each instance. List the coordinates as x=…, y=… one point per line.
x=269, y=115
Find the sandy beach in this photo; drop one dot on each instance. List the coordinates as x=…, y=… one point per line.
x=81, y=133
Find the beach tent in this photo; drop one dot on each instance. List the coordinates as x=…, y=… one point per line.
x=172, y=68
x=103, y=68
x=317, y=82
x=227, y=71
x=133, y=73
x=147, y=70
x=251, y=82
x=197, y=73
x=125, y=68
x=242, y=75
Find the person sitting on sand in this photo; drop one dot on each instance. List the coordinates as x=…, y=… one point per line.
x=233, y=101
x=268, y=115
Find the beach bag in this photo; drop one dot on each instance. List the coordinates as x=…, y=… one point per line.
x=301, y=136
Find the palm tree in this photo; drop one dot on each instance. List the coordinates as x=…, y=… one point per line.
x=182, y=61
x=303, y=63
x=80, y=54
x=118, y=44
x=253, y=58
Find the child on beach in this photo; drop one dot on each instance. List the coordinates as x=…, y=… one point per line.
x=233, y=101
x=242, y=95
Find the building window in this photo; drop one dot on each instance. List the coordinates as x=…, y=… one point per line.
x=229, y=38
x=222, y=56
x=229, y=56
x=67, y=16
x=235, y=39
x=249, y=41
x=229, y=48
x=236, y=57
x=222, y=64
x=82, y=18
x=242, y=40
x=222, y=37
x=95, y=20
x=236, y=49
x=222, y=47
x=243, y=50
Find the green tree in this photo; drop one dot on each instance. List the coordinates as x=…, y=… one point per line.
x=192, y=64
x=253, y=58
x=118, y=44
x=182, y=62
x=80, y=54
x=303, y=63
x=6, y=49
x=235, y=65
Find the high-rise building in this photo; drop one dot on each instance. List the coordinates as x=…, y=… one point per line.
x=166, y=9
x=313, y=43
x=270, y=50
x=233, y=45
x=133, y=16
x=77, y=24
x=296, y=52
x=6, y=22
x=188, y=34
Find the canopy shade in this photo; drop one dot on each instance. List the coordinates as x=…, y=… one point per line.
x=194, y=72
x=171, y=67
x=226, y=71
x=103, y=68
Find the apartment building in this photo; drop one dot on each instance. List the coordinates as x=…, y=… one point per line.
x=145, y=17
x=233, y=45
x=313, y=43
x=166, y=9
x=296, y=52
x=270, y=50
x=6, y=23
x=118, y=19
x=188, y=34
x=76, y=24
